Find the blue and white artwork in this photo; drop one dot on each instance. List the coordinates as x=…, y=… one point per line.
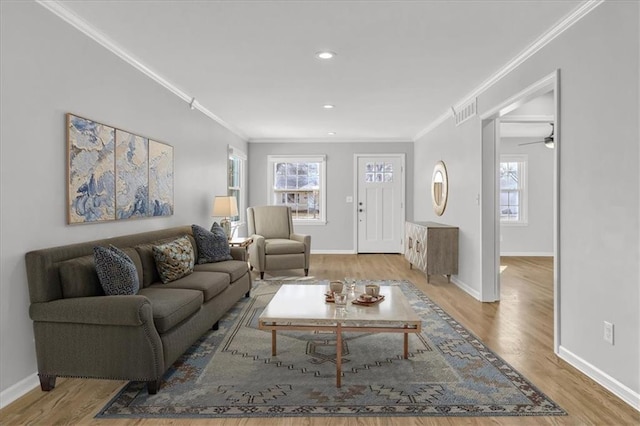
x=160, y=179
x=132, y=175
x=114, y=174
x=91, y=184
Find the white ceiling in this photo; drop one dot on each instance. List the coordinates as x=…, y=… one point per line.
x=400, y=64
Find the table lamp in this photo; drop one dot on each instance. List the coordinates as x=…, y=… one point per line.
x=225, y=206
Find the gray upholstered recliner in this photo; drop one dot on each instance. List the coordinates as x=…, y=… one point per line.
x=275, y=245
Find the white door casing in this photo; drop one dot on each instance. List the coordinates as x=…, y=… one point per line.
x=490, y=218
x=380, y=202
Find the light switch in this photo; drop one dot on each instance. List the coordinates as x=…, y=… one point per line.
x=349, y=199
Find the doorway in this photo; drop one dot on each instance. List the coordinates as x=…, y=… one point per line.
x=491, y=210
x=380, y=202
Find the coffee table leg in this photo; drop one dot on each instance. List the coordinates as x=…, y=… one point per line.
x=273, y=343
x=338, y=355
x=406, y=344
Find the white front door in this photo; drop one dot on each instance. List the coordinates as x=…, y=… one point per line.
x=380, y=203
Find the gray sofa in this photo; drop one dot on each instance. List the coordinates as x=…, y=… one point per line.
x=80, y=332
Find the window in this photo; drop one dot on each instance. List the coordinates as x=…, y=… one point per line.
x=299, y=182
x=235, y=180
x=513, y=189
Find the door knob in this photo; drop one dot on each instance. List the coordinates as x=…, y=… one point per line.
x=360, y=203
x=360, y=210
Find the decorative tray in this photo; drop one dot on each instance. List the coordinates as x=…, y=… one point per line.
x=328, y=297
x=360, y=301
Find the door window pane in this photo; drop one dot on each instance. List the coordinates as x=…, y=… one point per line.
x=378, y=172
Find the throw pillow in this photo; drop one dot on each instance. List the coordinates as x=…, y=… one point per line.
x=116, y=271
x=174, y=259
x=212, y=245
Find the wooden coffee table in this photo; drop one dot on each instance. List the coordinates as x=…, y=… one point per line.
x=303, y=307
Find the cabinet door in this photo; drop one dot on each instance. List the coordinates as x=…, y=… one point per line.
x=415, y=253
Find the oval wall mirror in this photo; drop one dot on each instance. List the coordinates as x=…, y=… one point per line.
x=439, y=188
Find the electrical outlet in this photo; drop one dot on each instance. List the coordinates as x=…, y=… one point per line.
x=608, y=332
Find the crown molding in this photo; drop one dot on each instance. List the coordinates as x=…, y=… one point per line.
x=547, y=37
x=58, y=9
x=326, y=140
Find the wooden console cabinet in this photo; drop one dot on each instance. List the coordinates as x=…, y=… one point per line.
x=432, y=247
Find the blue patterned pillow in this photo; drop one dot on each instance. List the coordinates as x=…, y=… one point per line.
x=116, y=271
x=174, y=259
x=212, y=245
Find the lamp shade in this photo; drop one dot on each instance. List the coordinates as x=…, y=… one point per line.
x=225, y=206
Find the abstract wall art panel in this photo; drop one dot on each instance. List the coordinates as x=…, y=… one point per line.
x=114, y=174
x=91, y=179
x=132, y=175
x=160, y=179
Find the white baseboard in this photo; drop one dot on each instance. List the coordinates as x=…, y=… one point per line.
x=14, y=392
x=527, y=253
x=333, y=252
x=618, y=389
x=474, y=293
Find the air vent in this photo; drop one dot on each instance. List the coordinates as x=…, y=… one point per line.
x=465, y=112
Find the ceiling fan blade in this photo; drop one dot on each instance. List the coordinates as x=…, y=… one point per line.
x=530, y=143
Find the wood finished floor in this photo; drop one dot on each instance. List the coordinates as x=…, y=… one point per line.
x=519, y=329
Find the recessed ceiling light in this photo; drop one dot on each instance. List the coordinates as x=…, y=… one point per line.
x=331, y=133
x=325, y=55
x=328, y=106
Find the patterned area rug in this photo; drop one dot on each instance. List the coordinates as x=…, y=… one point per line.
x=231, y=373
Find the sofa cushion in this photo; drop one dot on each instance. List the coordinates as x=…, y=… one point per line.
x=279, y=246
x=213, y=246
x=150, y=273
x=234, y=268
x=171, y=306
x=174, y=259
x=79, y=278
x=116, y=271
x=209, y=283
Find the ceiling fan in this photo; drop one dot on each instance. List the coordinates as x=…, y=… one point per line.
x=548, y=141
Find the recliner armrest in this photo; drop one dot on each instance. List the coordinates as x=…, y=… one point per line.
x=256, y=252
x=132, y=310
x=306, y=239
x=258, y=241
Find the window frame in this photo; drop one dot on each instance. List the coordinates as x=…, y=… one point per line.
x=234, y=154
x=523, y=189
x=272, y=160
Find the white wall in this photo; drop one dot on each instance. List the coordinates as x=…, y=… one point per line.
x=460, y=150
x=536, y=237
x=337, y=234
x=48, y=69
x=599, y=222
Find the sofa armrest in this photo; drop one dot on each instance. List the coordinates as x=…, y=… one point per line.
x=104, y=310
x=238, y=253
